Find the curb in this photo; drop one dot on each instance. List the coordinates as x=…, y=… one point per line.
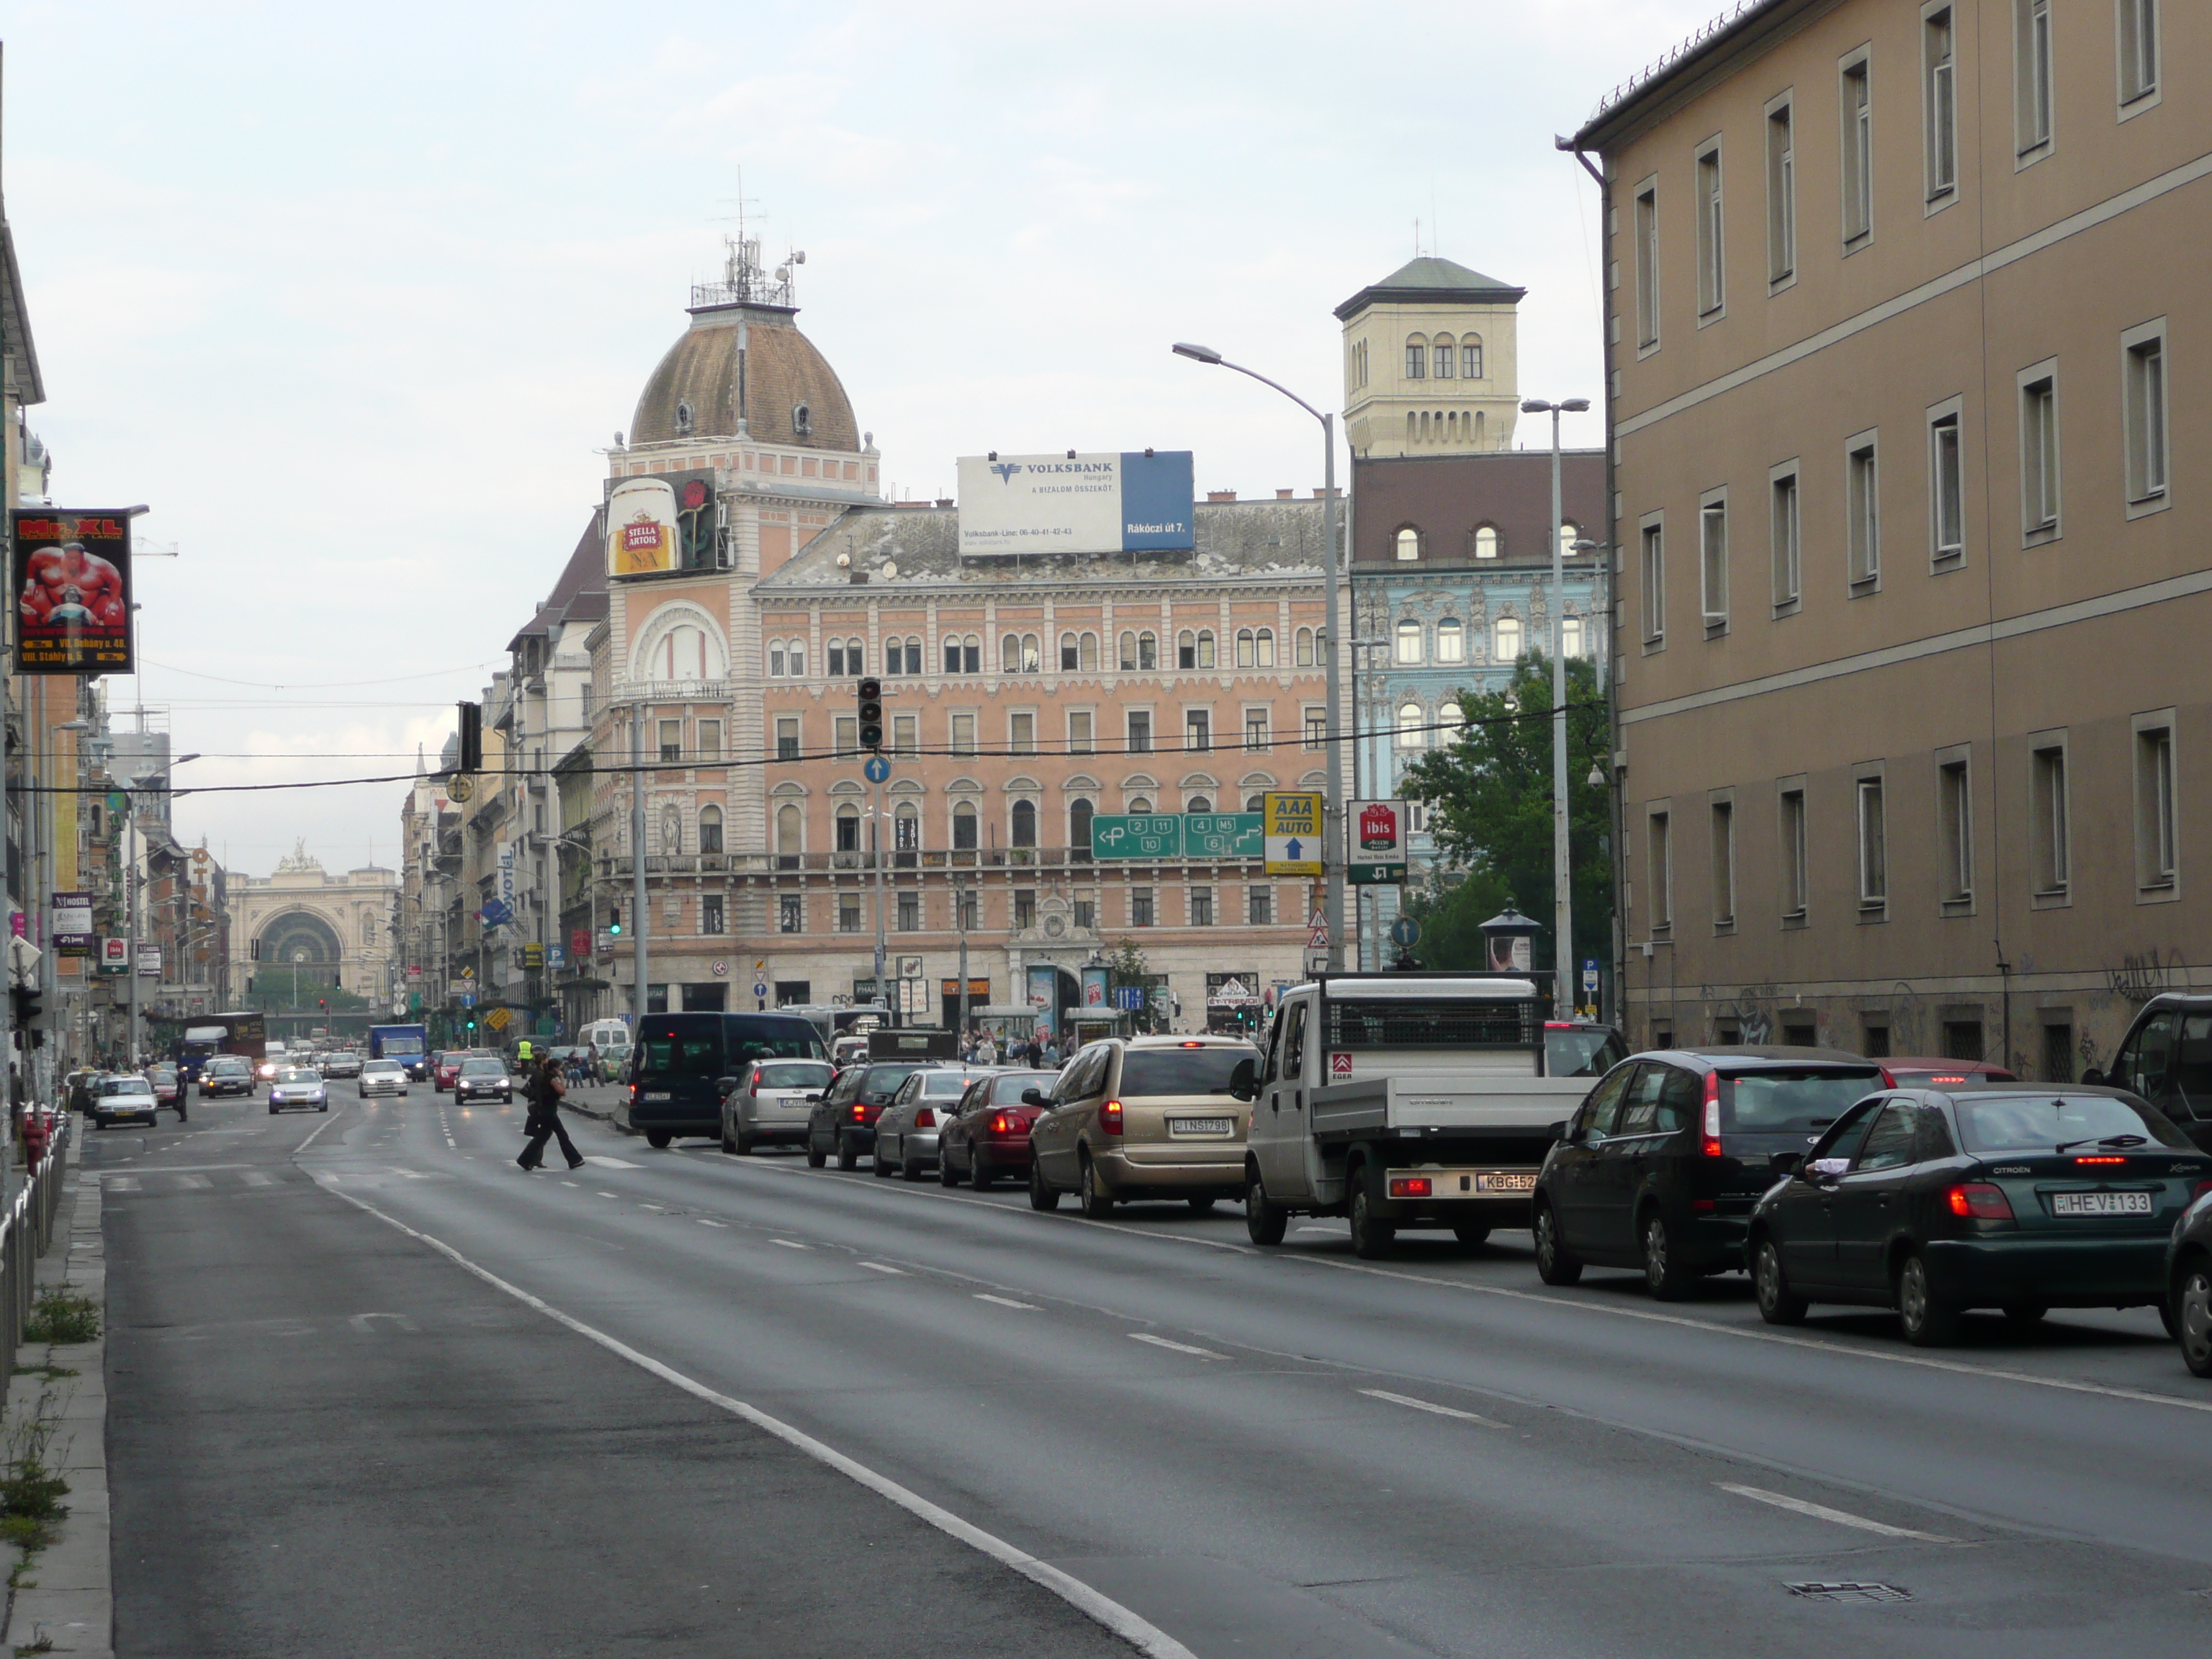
x=70, y=1598
x=608, y=1114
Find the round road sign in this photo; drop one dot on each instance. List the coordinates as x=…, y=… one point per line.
x=1406, y=932
x=878, y=770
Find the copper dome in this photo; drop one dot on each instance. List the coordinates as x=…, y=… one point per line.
x=788, y=394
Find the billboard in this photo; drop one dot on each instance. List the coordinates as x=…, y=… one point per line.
x=1293, y=832
x=1130, y=503
x=71, y=931
x=72, y=591
x=1377, y=853
x=641, y=527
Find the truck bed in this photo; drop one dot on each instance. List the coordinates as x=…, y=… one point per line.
x=1473, y=1105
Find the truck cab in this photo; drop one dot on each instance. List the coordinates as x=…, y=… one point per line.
x=1403, y=1100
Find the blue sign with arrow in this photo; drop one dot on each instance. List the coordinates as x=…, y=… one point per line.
x=878, y=770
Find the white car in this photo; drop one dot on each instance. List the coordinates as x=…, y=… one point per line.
x=383, y=1077
x=114, y=1098
x=297, y=1086
x=772, y=1102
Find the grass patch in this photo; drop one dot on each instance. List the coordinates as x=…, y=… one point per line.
x=30, y=1492
x=62, y=1316
x=51, y=1373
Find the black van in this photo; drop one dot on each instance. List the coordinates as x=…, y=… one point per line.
x=683, y=1063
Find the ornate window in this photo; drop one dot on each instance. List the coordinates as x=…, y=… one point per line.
x=790, y=835
x=1441, y=358
x=1451, y=642
x=1417, y=358
x=1509, y=639
x=963, y=826
x=1410, y=735
x=1302, y=648
x=1470, y=358
x=1079, y=814
x=1409, y=643
x=1485, y=541
x=1409, y=543
x=1023, y=824
x=710, y=829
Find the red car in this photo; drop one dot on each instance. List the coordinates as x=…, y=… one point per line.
x=988, y=1135
x=447, y=1067
x=1929, y=1071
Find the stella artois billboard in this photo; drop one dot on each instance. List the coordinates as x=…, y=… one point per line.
x=641, y=527
x=1377, y=853
x=72, y=591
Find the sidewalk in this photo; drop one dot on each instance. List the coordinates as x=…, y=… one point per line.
x=601, y=1100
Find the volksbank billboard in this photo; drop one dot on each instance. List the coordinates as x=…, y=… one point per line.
x=1126, y=503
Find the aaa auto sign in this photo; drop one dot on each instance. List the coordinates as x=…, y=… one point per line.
x=1377, y=853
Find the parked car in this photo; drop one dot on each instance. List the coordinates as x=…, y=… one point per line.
x=987, y=1135
x=1933, y=1071
x=1661, y=1166
x=771, y=1103
x=1143, y=1117
x=297, y=1086
x=907, y=1129
x=121, y=1099
x=344, y=1063
x=684, y=1064
x=226, y=1074
x=482, y=1077
x=382, y=1077
x=2188, y=1283
x=2167, y=1059
x=1984, y=1195
x=842, y=1123
x=1580, y=1047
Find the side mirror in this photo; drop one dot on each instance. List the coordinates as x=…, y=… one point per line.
x=1558, y=1131
x=1786, y=1164
x=1242, y=1080
x=724, y=1085
x=2093, y=1077
x=1033, y=1098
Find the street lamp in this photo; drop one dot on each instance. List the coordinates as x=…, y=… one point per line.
x=130, y=870
x=1333, y=821
x=1562, y=903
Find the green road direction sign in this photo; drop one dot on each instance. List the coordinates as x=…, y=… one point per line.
x=1176, y=834
x=1222, y=836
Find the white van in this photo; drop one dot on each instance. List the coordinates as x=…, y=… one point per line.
x=612, y=1038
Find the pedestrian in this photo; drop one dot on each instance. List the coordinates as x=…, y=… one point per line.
x=1052, y=1053
x=543, y=1090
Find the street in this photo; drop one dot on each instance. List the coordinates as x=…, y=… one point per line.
x=331, y=1436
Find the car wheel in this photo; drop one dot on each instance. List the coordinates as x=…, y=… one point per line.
x=1371, y=1237
x=2191, y=1311
x=1098, y=1202
x=1265, y=1222
x=272, y=1108
x=1670, y=1281
x=884, y=1166
x=1554, y=1264
x=742, y=1143
x=1777, y=1304
x=2025, y=1314
x=728, y=1144
x=848, y=1154
x=1043, y=1195
x=1201, y=1205
x=946, y=1176
x=912, y=1169
x=980, y=1175
x=657, y=1140
x=1471, y=1234
x=816, y=1157
x=325, y=1107
x=1929, y=1322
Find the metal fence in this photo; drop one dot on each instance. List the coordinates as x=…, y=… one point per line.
x=26, y=1231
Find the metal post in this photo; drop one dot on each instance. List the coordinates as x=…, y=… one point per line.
x=637, y=951
x=130, y=895
x=1565, y=962
x=960, y=921
x=1332, y=847
x=876, y=852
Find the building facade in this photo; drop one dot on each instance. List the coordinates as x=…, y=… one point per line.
x=1430, y=362
x=304, y=929
x=1908, y=687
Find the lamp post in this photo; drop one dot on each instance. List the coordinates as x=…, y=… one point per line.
x=1563, y=902
x=131, y=879
x=1333, y=816
x=1362, y=737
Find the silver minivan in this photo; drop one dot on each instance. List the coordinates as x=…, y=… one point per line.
x=770, y=1102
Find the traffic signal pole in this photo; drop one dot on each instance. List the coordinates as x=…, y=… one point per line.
x=637, y=867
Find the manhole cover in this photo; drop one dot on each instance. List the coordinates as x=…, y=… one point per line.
x=1813, y=1591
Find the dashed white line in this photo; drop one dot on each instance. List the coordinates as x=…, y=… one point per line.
x=703, y=1222
x=1430, y=1406
x=569, y=1183
x=790, y=1244
x=1822, y=1513
x=658, y=1209
x=878, y=1267
x=1179, y=1347
x=610, y=1194
x=1007, y=1302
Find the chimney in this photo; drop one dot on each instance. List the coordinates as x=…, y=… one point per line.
x=1220, y=495
x=1286, y=494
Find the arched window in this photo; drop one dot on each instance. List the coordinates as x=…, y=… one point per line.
x=952, y=654
x=1509, y=639
x=963, y=826
x=906, y=835
x=1571, y=636
x=1025, y=823
x=1453, y=719
x=1451, y=642
x=1569, y=534
x=1417, y=358
x=1032, y=655
x=1409, y=543
x=1485, y=541
x=1256, y=803
x=1302, y=647
x=710, y=829
x=1138, y=805
x=1247, y=654
x=1409, y=643
x=1087, y=653
x=790, y=835
x=1198, y=804
x=795, y=659
x=1412, y=425
x=1148, y=652
x=1440, y=357
x=854, y=657
x=1010, y=654
x=683, y=654
x=1267, y=647
x=1206, y=647
x=1410, y=735
x=368, y=930
x=775, y=660
x=848, y=828
x=1079, y=814
x=1477, y=424
x=914, y=653
x=1186, y=649
x=894, y=655
x=1067, y=653
x=1128, y=654
x=1470, y=358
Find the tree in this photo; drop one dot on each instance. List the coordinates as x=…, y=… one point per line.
x=1489, y=795
x=1126, y=967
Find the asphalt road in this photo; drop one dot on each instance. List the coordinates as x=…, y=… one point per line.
x=1291, y=1453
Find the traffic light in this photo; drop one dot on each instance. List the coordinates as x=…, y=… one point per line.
x=614, y=922
x=323, y=1003
x=871, y=692
x=29, y=1004
x=471, y=756
x=470, y=1023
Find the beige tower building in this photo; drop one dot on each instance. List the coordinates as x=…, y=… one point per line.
x=1431, y=364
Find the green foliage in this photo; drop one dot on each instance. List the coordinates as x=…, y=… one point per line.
x=60, y=1315
x=1490, y=809
x=1126, y=966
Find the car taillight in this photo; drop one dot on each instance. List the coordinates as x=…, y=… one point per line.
x=1709, y=1145
x=2100, y=1159
x=752, y=1085
x=925, y=1119
x=1888, y=1080
x=1011, y=1123
x=1409, y=1187
x=2199, y=1190
x=860, y=1113
x=1980, y=1201
x=1110, y=1118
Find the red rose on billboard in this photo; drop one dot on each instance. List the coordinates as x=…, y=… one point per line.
x=695, y=493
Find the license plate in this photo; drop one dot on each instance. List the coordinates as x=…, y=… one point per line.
x=1499, y=1182
x=2101, y=1203
x=657, y=1096
x=1201, y=1126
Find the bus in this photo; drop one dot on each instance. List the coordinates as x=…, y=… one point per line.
x=245, y=1032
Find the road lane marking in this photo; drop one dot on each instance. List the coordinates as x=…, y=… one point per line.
x=195, y=1182
x=610, y=1194
x=1822, y=1513
x=1146, y=1636
x=1179, y=1347
x=610, y=1162
x=122, y=1183
x=656, y=1208
x=703, y=1222
x=1007, y=1302
x=878, y=1267
x=791, y=1243
x=310, y=1140
x=258, y=1178
x=1430, y=1406
x=569, y=1183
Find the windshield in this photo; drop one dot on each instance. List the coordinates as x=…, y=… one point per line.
x=2042, y=1123
x=226, y=1067
x=947, y=1083
x=297, y=1074
x=402, y=1045
x=127, y=1086
x=793, y=1074
x=382, y=1066
x=483, y=1068
x=1583, y=1050
x=1006, y=1091
x=1181, y=1071
x=1769, y=1103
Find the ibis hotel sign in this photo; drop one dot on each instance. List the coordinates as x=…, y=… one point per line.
x=1377, y=853
x=1133, y=501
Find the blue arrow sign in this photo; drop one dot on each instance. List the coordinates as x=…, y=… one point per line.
x=878, y=770
x=1293, y=847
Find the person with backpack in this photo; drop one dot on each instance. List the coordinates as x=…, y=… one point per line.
x=543, y=1091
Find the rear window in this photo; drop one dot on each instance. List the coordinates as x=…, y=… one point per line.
x=1427, y=1022
x=795, y=1074
x=946, y=1083
x=756, y=1037
x=692, y=1050
x=1180, y=1071
x=402, y=1045
x=880, y=1083
x=2043, y=1123
x=1007, y=1090
x=1766, y=1103
x=1582, y=1051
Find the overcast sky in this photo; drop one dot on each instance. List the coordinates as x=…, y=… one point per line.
x=354, y=299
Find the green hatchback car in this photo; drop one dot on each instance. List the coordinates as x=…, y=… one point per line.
x=2000, y=1195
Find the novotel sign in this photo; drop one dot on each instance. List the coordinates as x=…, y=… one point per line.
x=1130, y=503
